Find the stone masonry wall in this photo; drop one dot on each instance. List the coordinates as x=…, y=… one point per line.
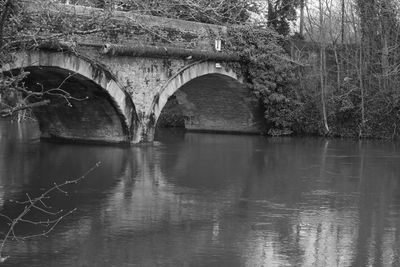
x=143, y=77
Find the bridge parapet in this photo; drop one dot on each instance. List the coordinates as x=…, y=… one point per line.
x=129, y=28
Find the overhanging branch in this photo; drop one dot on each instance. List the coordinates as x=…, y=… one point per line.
x=9, y=111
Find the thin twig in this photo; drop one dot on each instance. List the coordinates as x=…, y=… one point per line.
x=31, y=203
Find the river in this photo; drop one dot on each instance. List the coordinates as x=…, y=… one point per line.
x=192, y=199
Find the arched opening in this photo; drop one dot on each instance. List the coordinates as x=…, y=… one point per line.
x=107, y=115
x=79, y=108
x=212, y=102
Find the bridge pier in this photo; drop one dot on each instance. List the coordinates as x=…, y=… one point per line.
x=143, y=133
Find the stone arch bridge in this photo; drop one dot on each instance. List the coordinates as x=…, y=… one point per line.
x=118, y=91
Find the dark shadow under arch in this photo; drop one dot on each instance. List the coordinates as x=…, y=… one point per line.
x=89, y=115
x=213, y=102
x=87, y=73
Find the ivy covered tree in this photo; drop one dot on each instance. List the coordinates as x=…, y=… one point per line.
x=281, y=13
x=270, y=74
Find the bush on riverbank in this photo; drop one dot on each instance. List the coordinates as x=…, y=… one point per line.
x=268, y=72
x=291, y=95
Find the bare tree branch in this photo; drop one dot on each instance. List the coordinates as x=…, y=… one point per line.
x=32, y=204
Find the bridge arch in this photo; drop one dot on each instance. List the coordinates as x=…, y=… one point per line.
x=107, y=115
x=182, y=77
x=213, y=98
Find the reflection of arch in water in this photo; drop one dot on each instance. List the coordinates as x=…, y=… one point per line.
x=140, y=204
x=107, y=113
x=39, y=166
x=210, y=98
x=44, y=164
x=148, y=189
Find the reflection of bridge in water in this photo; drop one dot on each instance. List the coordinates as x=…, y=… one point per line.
x=137, y=192
x=246, y=200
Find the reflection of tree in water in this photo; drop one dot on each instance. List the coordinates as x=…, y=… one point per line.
x=314, y=220
x=377, y=212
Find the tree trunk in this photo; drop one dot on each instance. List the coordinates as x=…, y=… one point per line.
x=338, y=68
x=362, y=92
x=3, y=16
x=323, y=88
x=342, y=22
x=385, y=63
x=322, y=66
x=302, y=3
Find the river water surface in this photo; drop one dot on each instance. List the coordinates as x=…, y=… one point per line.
x=206, y=200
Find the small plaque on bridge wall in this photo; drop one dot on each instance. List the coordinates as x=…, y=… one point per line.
x=218, y=45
